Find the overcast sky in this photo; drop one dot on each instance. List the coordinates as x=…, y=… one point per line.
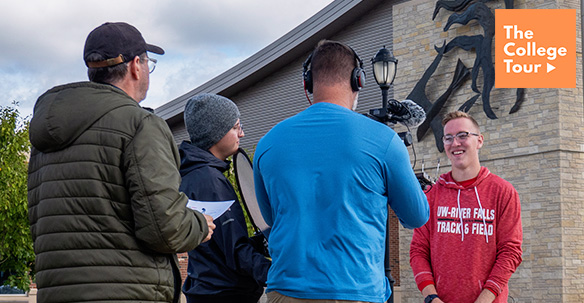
x=42, y=40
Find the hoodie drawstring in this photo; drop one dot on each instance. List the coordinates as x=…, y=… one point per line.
x=482, y=213
x=460, y=216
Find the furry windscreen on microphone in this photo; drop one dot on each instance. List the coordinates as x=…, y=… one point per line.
x=417, y=115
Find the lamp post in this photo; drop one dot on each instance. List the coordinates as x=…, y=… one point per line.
x=384, y=70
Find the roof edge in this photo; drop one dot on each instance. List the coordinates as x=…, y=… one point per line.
x=296, y=42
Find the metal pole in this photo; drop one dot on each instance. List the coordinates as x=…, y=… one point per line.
x=387, y=257
x=384, y=98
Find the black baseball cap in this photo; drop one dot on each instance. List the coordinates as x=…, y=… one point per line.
x=118, y=42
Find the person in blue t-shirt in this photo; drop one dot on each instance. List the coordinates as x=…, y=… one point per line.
x=323, y=179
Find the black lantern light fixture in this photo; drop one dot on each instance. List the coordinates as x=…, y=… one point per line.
x=384, y=70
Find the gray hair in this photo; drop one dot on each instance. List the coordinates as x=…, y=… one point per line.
x=108, y=74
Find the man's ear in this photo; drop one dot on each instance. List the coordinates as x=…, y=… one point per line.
x=135, y=67
x=480, y=140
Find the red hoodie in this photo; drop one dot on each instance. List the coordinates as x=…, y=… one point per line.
x=461, y=251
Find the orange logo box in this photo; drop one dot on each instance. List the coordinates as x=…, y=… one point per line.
x=535, y=48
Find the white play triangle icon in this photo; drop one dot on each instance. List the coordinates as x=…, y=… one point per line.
x=550, y=67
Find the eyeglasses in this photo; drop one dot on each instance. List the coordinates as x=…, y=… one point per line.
x=151, y=64
x=461, y=137
x=239, y=128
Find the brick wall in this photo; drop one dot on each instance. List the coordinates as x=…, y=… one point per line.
x=394, y=248
x=183, y=261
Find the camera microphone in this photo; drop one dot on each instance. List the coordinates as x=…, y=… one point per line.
x=412, y=115
x=406, y=112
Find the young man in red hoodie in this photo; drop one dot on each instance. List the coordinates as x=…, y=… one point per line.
x=471, y=245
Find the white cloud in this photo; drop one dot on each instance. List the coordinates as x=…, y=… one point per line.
x=173, y=78
x=43, y=40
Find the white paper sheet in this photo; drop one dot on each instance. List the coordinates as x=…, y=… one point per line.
x=212, y=208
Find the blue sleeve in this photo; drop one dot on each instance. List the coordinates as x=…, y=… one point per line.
x=260, y=189
x=405, y=195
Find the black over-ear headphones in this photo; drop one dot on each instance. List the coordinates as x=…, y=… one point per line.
x=357, y=75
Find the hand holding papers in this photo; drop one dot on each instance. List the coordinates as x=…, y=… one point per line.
x=211, y=226
x=212, y=208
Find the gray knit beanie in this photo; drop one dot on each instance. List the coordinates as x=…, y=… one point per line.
x=208, y=118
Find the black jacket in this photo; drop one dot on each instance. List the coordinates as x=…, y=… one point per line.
x=228, y=266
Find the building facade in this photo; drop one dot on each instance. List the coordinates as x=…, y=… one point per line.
x=539, y=148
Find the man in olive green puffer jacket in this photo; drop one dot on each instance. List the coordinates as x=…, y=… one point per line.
x=106, y=215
